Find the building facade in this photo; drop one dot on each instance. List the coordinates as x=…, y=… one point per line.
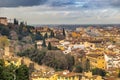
x=3, y=20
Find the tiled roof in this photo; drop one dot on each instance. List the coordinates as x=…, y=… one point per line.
x=68, y=74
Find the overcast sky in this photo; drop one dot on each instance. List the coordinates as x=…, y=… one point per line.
x=62, y=11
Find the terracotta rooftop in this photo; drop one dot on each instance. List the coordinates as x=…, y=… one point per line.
x=95, y=55
x=70, y=74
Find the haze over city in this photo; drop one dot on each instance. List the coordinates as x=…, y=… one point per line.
x=59, y=39
x=62, y=11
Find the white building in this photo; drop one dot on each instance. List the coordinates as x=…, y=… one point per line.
x=78, y=46
x=112, y=61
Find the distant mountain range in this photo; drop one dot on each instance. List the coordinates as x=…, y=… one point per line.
x=74, y=26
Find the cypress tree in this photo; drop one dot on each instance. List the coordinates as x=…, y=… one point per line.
x=64, y=32
x=35, y=45
x=87, y=65
x=46, y=35
x=52, y=34
x=49, y=46
x=44, y=43
x=16, y=22
x=119, y=74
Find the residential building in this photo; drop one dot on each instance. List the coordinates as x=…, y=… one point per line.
x=112, y=61
x=97, y=61
x=3, y=20
x=66, y=75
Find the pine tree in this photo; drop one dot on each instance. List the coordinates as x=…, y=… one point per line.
x=49, y=46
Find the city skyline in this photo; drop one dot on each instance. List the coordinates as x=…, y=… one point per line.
x=62, y=12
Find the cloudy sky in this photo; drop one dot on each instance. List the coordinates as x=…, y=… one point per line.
x=62, y=11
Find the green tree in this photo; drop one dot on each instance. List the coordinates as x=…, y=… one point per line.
x=64, y=32
x=119, y=74
x=37, y=56
x=3, y=42
x=52, y=34
x=22, y=23
x=78, y=69
x=5, y=31
x=98, y=71
x=46, y=35
x=1, y=68
x=56, y=60
x=22, y=73
x=49, y=46
x=70, y=61
x=13, y=35
x=35, y=45
x=38, y=36
x=87, y=65
x=40, y=57
x=12, y=72
x=15, y=21
x=11, y=68
x=20, y=29
x=2, y=62
x=55, y=48
x=1, y=71
x=7, y=76
x=44, y=43
x=7, y=72
x=29, y=28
